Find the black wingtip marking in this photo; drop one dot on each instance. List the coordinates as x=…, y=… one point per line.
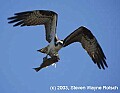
x=23, y=13
x=102, y=56
x=105, y=63
x=15, y=20
x=98, y=65
x=99, y=60
x=19, y=23
x=9, y=18
x=101, y=51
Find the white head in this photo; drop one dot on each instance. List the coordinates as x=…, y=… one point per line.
x=59, y=43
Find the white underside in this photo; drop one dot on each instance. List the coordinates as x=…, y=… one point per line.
x=52, y=49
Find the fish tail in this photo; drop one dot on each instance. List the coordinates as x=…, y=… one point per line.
x=37, y=69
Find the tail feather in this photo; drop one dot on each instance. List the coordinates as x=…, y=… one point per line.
x=43, y=50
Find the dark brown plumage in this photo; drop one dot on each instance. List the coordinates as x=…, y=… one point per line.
x=89, y=43
x=49, y=20
x=37, y=17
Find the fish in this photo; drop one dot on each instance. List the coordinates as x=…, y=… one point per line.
x=47, y=62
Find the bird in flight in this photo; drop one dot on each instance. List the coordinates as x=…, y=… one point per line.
x=49, y=19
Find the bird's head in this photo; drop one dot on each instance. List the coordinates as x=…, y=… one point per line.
x=59, y=42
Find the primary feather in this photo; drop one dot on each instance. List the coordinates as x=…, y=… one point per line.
x=89, y=43
x=37, y=17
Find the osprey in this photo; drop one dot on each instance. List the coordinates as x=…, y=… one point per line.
x=49, y=20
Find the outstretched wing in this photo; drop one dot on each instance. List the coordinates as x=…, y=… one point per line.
x=37, y=17
x=89, y=43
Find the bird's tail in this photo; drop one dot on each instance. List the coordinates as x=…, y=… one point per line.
x=43, y=50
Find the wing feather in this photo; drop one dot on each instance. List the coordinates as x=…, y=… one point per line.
x=89, y=43
x=37, y=17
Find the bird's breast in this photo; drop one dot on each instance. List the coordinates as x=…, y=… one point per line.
x=57, y=48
